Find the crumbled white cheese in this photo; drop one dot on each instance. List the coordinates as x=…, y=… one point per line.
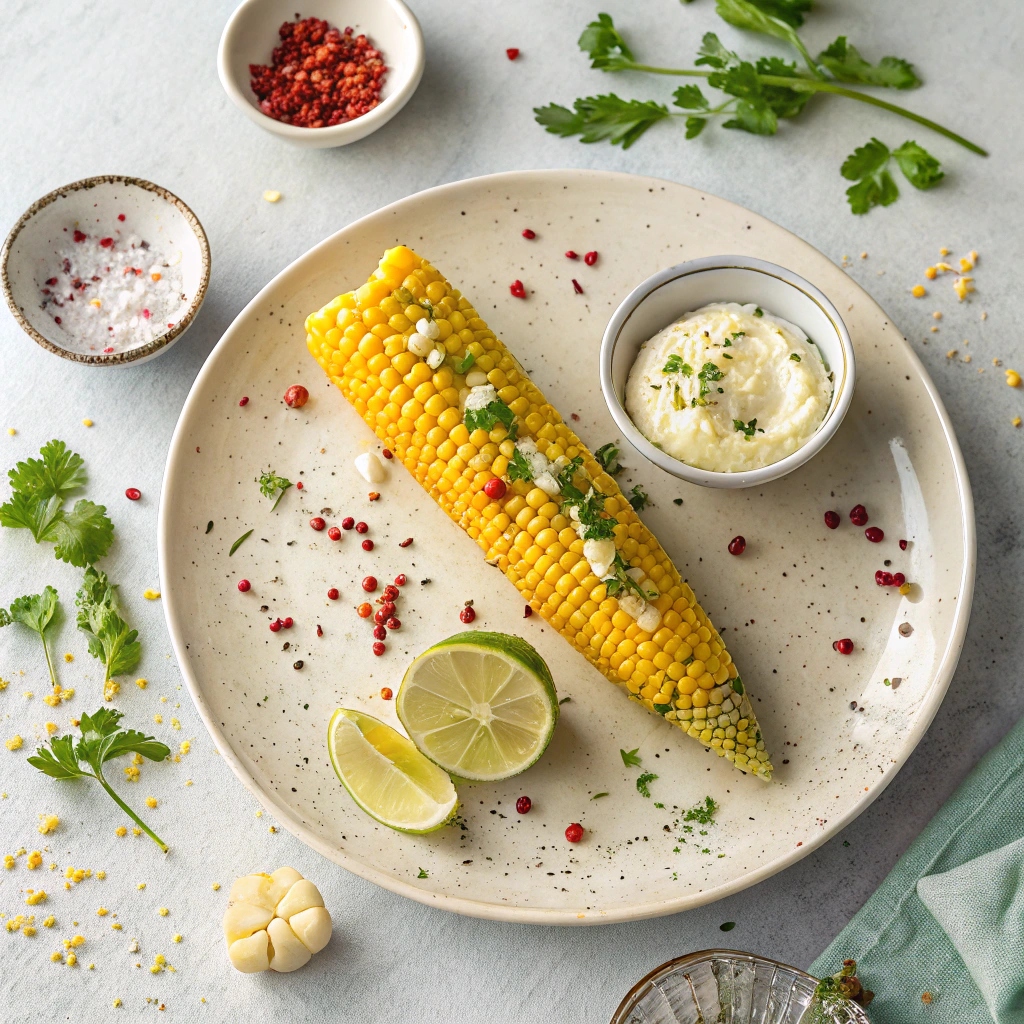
x=601, y=555
x=632, y=605
x=370, y=468
x=649, y=619
x=547, y=483
x=481, y=397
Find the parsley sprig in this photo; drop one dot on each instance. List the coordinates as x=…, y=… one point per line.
x=489, y=416
x=37, y=612
x=81, y=535
x=757, y=93
x=271, y=484
x=868, y=166
x=102, y=739
x=110, y=638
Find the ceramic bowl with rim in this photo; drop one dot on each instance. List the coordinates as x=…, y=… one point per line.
x=41, y=239
x=666, y=296
x=727, y=985
x=251, y=34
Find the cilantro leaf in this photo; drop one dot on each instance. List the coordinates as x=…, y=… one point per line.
x=111, y=640
x=602, y=118
x=747, y=429
x=102, y=739
x=709, y=373
x=689, y=97
x=568, y=473
x=919, y=167
x=752, y=112
x=643, y=784
x=604, y=43
x=694, y=126
x=713, y=54
x=271, y=484
x=36, y=611
x=519, y=468
x=638, y=498
x=750, y=15
x=785, y=102
x=590, y=510
x=608, y=458
x=83, y=535
x=630, y=757
x=865, y=160
x=58, y=472
x=27, y=512
x=790, y=11
x=846, y=64
x=491, y=414
x=675, y=364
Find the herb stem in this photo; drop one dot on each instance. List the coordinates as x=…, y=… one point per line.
x=49, y=660
x=131, y=814
x=815, y=85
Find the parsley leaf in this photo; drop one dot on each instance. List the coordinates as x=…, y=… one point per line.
x=608, y=458
x=847, y=65
x=102, y=739
x=630, y=757
x=747, y=429
x=675, y=364
x=491, y=414
x=58, y=472
x=709, y=373
x=868, y=166
x=643, y=784
x=83, y=535
x=519, y=468
x=713, y=54
x=638, y=498
x=602, y=118
x=751, y=15
x=603, y=42
x=111, y=639
x=689, y=97
x=919, y=167
x=597, y=796
x=36, y=611
x=590, y=509
x=271, y=484
x=568, y=473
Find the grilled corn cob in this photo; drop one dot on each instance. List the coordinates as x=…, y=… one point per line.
x=444, y=394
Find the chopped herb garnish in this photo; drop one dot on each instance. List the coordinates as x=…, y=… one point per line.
x=737, y=685
x=677, y=501
x=568, y=472
x=565, y=700
x=655, y=387
x=271, y=484
x=491, y=414
x=590, y=510
x=463, y=366
x=662, y=709
x=748, y=429
x=727, y=926
x=638, y=498
x=209, y=526
x=708, y=373
x=238, y=543
x=675, y=364
x=703, y=814
x=735, y=336
x=608, y=455
x=519, y=468
x=794, y=357
x=630, y=757
x=758, y=311
x=643, y=784
x=422, y=874
x=597, y=796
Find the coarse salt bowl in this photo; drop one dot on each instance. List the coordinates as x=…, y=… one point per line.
x=727, y=985
x=669, y=294
x=251, y=34
x=106, y=271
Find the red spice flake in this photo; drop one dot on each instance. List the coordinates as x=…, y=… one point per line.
x=571, y=255
x=79, y=236
x=574, y=416
x=467, y=614
x=903, y=544
x=243, y=401
x=347, y=523
x=370, y=584
x=529, y=233
x=367, y=544
x=145, y=314
x=523, y=805
x=300, y=485
x=334, y=533
x=374, y=495
x=590, y=258
x=296, y=396
x=385, y=693
x=319, y=630
x=365, y=610
x=106, y=242
x=51, y=280
x=405, y=543
x=737, y=546
x=832, y=520
x=379, y=648
x=319, y=76
x=518, y=289
x=111, y=347
x=577, y=287
x=360, y=527
x=574, y=833
x=388, y=453
x=133, y=494
x=527, y=612
x=495, y=488
x=317, y=522
x=874, y=534
x=120, y=217
x=512, y=52
x=333, y=594
x=244, y=586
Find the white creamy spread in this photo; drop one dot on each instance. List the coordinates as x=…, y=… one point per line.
x=727, y=390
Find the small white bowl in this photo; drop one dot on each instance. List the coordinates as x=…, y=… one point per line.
x=251, y=34
x=34, y=247
x=667, y=295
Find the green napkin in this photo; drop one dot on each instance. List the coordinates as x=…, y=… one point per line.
x=973, y=973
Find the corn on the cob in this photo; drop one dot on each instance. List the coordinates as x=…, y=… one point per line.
x=399, y=349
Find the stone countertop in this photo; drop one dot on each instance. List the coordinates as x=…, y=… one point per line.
x=133, y=89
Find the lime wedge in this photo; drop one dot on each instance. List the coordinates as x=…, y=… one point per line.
x=481, y=705
x=387, y=776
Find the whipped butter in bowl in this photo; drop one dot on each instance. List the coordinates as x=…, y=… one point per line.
x=727, y=371
x=728, y=388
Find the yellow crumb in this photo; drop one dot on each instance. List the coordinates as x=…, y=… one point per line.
x=151, y=801
x=78, y=940
x=116, y=1003
x=14, y=743
x=47, y=823
x=111, y=689
x=150, y=595
x=163, y=700
x=116, y=926
x=997, y=362
x=87, y=422
x=102, y=912
x=967, y=358
x=71, y=960
x=1016, y=421
x=944, y=267
x=136, y=831
x=934, y=330
x=1013, y=378
x=163, y=911
x=9, y=861
x=4, y=683
x=141, y=683
x=963, y=286
x=50, y=921
x=11, y=431
x=951, y=354
x=120, y=831
x=272, y=195
x=863, y=255
x=56, y=956
x=175, y=724
x=273, y=828
x=944, y=251
x=35, y=858
x=132, y=772
x=936, y=315
x=188, y=782
x=158, y=719
x=69, y=657
x=51, y=728
x=101, y=874
x=160, y=959
x=930, y=273
x=141, y=886
x=919, y=291
x=259, y=814
x=215, y=887
x=984, y=315
x=35, y=898
x=28, y=931
x=177, y=938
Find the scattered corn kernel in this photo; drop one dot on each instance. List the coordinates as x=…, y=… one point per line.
x=87, y=422
x=1013, y=378
x=150, y=595
x=102, y=912
x=930, y=273
x=163, y=911
x=919, y=291
x=35, y=858
x=272, y=195
x=151, y=801
x=120, y=831
x=963, y=286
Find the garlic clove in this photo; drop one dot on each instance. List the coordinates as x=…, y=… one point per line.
x=370, y=468
x=301, y=896
x=254, y=889
x=312, y=927
x=287, y=952
x=242, y=919
x=251, y=954
x=283, y=880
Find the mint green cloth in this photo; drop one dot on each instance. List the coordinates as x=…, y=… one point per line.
x=976, y=972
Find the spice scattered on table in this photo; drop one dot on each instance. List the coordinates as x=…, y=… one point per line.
x=319, y=76
x=272, y=195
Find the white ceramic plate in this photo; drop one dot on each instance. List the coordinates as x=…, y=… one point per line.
x=838, y=734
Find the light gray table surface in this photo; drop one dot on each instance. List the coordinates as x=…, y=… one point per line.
x=97, y=87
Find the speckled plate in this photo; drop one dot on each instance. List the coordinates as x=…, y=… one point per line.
x=837, y=731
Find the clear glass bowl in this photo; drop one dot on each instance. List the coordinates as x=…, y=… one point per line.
x=724, y=986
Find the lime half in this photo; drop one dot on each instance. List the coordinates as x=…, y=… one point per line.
x=387, y=776
x=481, y=705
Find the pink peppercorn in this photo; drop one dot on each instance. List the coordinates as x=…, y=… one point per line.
x=859, y=515
x=390, y=593
x=380, y=633
x=903, y=544
x=401, y=579
x=361, y=527
x=737, y=546
x=378, y=648
x=367, y=544
x=79, y=236
x=574, y=833
x=296, y=396
x=518, y=289
x=120, y=217
x=386, y=693
x=388, y=453
x=874, y=534
x=405, y=543
x=898, y=579
x=527, y=612
x=512, y=52
x=244, y=586
x=467, y=614
x=334, y=533
x=275, y=626
x=393, y=623
x=133, y=494
x=288, y=622
x=495, y=488
x=844, y=646
x=370, y=584
x=317, y=523
x=523, y=805
x=883, y=578
x=387, y=609
x=529, y=233
x=591, y=258
x=319, y=630
x=300, y=485
x=347, y=523
x=570, y=255
x=832, y=520
x=244, y=400
x=107, y=243
x=365, y=610
x=333, y=594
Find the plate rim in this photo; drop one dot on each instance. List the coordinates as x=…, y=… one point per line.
x=541, y=915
